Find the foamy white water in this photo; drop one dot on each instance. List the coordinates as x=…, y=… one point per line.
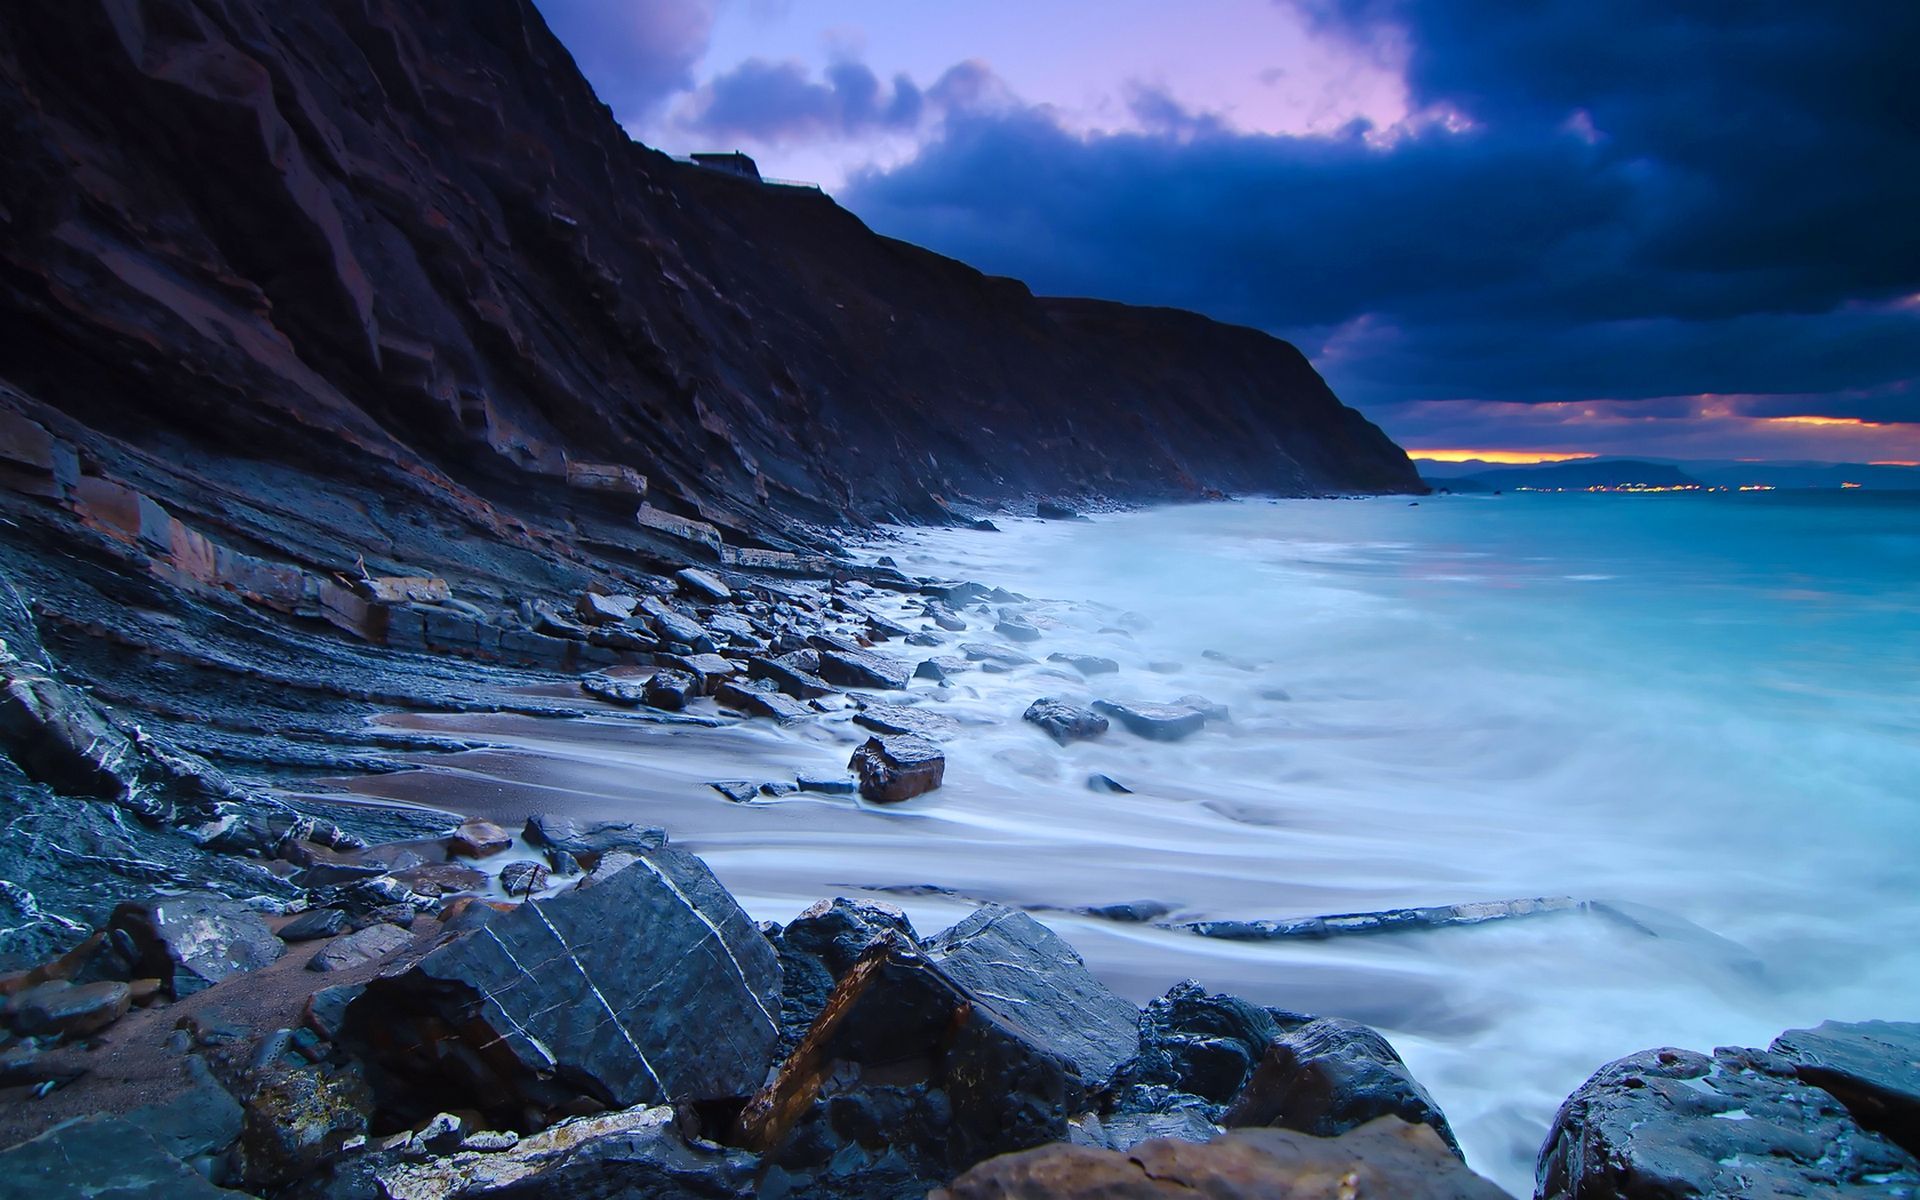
x=1707, y=706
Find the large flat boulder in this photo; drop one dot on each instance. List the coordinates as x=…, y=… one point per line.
x=864, y=669
x=651, y=986
x=1387, y=1158
x=1026, y=973
x=1673, y=1123
x=101, y=1158
x=190, y=943
x=1872, y=1067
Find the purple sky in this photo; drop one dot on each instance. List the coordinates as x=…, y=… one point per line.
x=1618, y=226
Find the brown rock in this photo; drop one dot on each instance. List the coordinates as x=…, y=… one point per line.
x=62, y=1009
x=1387, y=1159
x=440, y=879
x=477, y=839
x=898, y=768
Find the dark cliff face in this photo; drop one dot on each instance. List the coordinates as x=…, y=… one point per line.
x=398, y=247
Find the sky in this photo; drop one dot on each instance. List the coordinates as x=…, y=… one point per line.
x=1671, y=228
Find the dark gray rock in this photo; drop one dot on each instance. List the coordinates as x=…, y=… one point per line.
x=897, y=768
x=1065, y=722
x=740, y=791
x=1108, y=785
x=1157, y=722
x=1027, y=974
x=523, y=878
x=192, y=942
x=818, y=947
x=1054, y=510
x=61, y=1009
x=941, y=668
x=295, y=1120
x=627, y=690
x=673, y=627
x=326, y=1009
x=832, y=785
x=1204, y=706
x=981, y=652
x=795, y=682
x=1329, y=1076
x=1133, y=912
x=1390, y=920
x=1086, y=664
x=1672, y=1123
x=671, y=690
x=1016, y=629
x=59, y=736
x=1200, y=1043
x=102, y=1158
x=362, y=946
x=586, y=841
x=864, y=669
x=703, y=584
x=197, y=1122
x=905, y=719
x=755, y=703
x=1872, y=1067
x=946, y=618
x=649, y=986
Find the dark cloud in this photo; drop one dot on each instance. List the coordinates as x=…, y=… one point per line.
x=780, y=101
x=636, y=52
x=1648, y=199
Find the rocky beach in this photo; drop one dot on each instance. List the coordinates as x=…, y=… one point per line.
x=389, y=446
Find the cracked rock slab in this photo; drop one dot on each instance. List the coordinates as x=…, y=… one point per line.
x=650, y=987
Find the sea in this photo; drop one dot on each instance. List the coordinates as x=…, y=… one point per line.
x=1696, y=714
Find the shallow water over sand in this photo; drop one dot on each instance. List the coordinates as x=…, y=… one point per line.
x=1709, y=706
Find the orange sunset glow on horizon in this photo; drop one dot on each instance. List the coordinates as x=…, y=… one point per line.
x=1507, y=457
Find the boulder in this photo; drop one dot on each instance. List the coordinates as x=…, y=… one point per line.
x=1872, y=1067
x=193, y=942
x=314, y=924
x=1670, y=1123
x=981, y=652
x=1065, y=722
x=596, y=609
x=57, y=1008
x=905, y=1078
x=709, y=670
x=864, y=669
x=671, y=690
x=362, y=946
x=1200, y=1043
x=523, y=878
x=1086, y=664
x=1329, y=1076
x=755, y=703
x=794, y=681
x=1156, y=722
x=478, y=839
x=196, y=1121
x=296, y=1120
x=1016, y=629
x=1033, y=979
x=674, y=627
x=740, y=791
x=819, y=946
x=946, y=618
x=941, y=668
x=703, y=584
x=650, y=986
x=586, y=841
x=906, y=719
x=627, y=690
x=441, y=879
x=102, y=1158
x=1388, y=1158
x=1108, y=785
x=897, y=768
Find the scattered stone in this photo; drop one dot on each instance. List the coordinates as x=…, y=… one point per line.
x=326, y=1009
x=1133, y=912
x=627, y=690
x=1109, y=785
x=1156, y=722
x=708, y=670
x=778, y=787
x=1669, y=1122
x=363, y=946
x=756, y=703
x=586, y=841
x=1388, y=921
x=671, y=690
x=1205, y=707
x=1037, y=982
x=649, y=986
x=193, y=942
x=981, y=652
x=924, y=639
x=800, y=684
x=596, y=609
x=1329, y=1076
x=1086, y=664
x=897, y=718
x=197, y=1122
x=703, y=584
x=1053, y=510
x=1387, y=1158
x=523, y=878
x=864, y=669
x=442, y=879
x=1200, y=1043
x=946, y=618
x=1065, y=722
x=832, y=785
x=66, y=1010
x=897, y=768
x=740, y=791
x=478, y=839
x=673, y=627
x=1017, y=629
x=941, y=668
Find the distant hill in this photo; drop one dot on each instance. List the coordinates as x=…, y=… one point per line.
x=1580, y=473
